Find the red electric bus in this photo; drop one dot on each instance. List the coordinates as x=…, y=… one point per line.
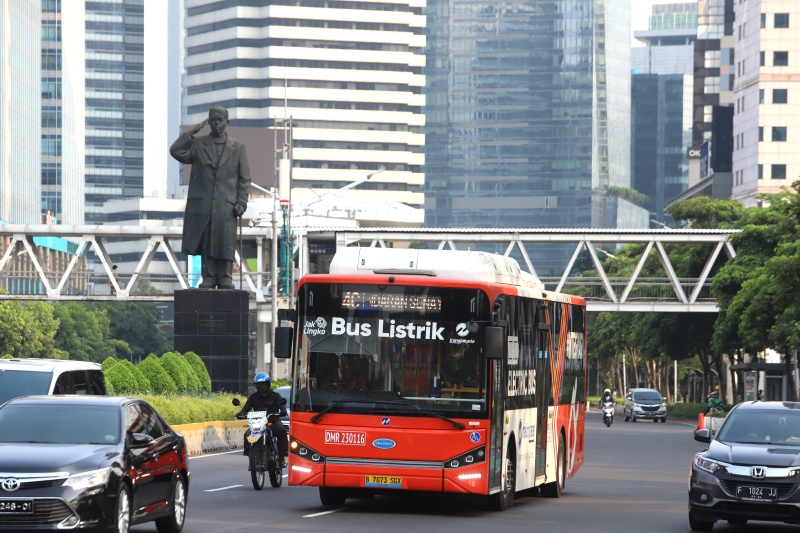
x=433, y=370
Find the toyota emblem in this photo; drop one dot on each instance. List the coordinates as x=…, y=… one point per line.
x=10, y=484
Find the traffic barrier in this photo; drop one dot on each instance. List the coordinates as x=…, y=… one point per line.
x=209, y=437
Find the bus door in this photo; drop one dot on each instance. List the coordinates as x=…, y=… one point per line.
x=496, y=409
x=543, y=387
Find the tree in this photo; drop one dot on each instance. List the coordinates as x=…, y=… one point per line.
x=137, y=324
x=28, y=330
x=83, y=333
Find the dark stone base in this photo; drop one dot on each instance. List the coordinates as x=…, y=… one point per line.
x=214, y=325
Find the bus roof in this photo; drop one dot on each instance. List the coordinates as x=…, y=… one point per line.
x=455, y=264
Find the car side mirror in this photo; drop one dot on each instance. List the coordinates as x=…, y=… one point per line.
x=702, y=435
x=141, y=440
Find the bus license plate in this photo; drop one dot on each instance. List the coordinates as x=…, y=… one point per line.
x=16, y=506
x=384, y=482
x=757, y=494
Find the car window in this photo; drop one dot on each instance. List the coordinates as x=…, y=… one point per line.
x=60, y=424
x=80, y=384
x=14, y=383
x=151, y=422
x=647, y=396
x=97, y=381
x=62, y=385
x=760, y=427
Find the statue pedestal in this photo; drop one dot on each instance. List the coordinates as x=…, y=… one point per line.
x=214, y=325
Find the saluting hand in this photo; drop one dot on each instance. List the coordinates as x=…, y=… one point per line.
x=198, y=127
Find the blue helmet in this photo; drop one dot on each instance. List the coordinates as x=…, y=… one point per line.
x=262, y=377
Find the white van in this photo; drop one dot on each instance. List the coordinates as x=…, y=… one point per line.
x=23, y=377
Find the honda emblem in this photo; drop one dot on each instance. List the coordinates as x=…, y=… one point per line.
x=758, y=472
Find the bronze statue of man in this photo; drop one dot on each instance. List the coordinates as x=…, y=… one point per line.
x=218, y=191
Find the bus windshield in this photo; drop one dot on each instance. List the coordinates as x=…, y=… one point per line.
x=389, y=349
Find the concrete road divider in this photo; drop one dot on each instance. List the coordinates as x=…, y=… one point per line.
x=207, y=437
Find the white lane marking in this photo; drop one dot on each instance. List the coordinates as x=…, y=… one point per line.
x=223, y=488
x=321, y=514
x=213, y=454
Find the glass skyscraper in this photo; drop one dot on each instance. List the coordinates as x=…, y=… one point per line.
x=20, y=112
x=527, y=111
x=114, y=103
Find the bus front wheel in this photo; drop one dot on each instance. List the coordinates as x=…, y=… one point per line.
x=332, y=496
x=505, y=498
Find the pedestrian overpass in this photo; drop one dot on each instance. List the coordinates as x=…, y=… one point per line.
x=29, y=269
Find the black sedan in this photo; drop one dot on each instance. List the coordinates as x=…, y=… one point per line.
x=89, y=463
x=751, y=469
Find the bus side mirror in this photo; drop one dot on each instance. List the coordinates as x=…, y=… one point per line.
x=283, y=342
x=495, y=342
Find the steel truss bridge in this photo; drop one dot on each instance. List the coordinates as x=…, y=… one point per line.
x=28, y=272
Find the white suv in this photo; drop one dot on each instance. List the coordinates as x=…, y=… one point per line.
x=23, y=377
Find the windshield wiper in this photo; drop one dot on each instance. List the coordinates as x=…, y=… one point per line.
x=434, y=414
x=337, y=403
x=418, y=411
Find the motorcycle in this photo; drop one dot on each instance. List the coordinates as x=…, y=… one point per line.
x=608, y=413
x=264, y=456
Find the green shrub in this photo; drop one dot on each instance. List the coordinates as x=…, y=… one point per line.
x=160, y=381
x=190, y=409
x=120, y=380
x=108, y=362
x=686, y=410
x=200, y=370
x=181, y=372
x=7, y=356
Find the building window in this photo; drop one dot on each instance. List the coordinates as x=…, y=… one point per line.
x=761, y=172
x=781, y=20
x=780, y=96
x=761, y=134
x=761, y=96
x=779, y=172
x=711, y=85
x=712, y=59
x=780, y=59
x=779, y=134
x=763, y=20
x=761, y=58
x=51, y=6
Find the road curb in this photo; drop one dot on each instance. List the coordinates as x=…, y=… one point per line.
x=207, y=437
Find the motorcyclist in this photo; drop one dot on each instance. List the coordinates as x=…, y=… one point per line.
x=714, y=403
x=607, y=397
x=265, y=399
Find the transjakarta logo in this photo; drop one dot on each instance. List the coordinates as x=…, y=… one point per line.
x=461, y=330
x=315, y=327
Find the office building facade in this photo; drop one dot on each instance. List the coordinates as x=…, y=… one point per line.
x=63, y=112
x=522, y=101
x=114, y=158
x=347, y=75
x=668, y=40
x=766, y=120
x=20, y=111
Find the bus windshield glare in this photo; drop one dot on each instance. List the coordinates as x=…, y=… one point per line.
x=377, y=349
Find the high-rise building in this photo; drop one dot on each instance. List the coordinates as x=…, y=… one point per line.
x=766, y=120
x=715, y=66
x=668, y=40
x=660, y=121
x=348, y=74
x=63, y=110
x=114, y=103
x=662, y=104
x=20, y=111
x=523, y=100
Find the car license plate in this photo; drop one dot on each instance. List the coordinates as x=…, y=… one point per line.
x=757, y=494
x=386, y=482
x=16, y=506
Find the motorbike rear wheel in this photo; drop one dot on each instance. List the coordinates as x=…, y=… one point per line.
x=257, y=466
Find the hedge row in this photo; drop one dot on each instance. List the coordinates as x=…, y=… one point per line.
x=169, y=374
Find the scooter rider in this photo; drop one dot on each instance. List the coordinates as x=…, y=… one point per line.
x=606, y=397
x=265, y=399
